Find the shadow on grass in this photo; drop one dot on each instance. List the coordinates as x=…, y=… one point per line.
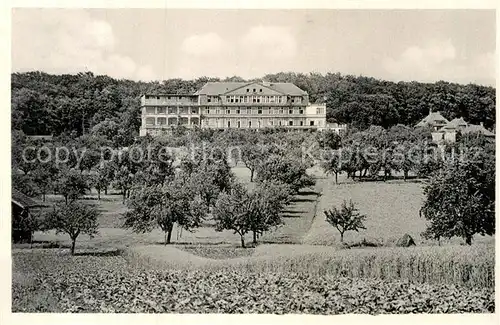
x=44, y=242
x=40, y=244
x=186, y=243
x=102, y=199
x=281, y=240
x=115, y=252
x=291, y=216
x=389, y=179
x=306, y=192
x=293, y=211
x=303, y=200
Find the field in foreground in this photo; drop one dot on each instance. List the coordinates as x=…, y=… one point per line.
x=467, y=266
x=272, y=280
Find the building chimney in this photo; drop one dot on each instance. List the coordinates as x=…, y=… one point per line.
x=481, y=123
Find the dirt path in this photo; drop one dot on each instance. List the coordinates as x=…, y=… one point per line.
x=299, y=216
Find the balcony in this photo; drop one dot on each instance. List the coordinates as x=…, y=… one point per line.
x=183, y=113
x=164, y=101
x=224, y=104
x=167, y=126
x=255, y=115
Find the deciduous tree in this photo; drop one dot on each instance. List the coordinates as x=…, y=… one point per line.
x=71, y=184
x=163, y=206
x=460, y=200
x=345, y=219
x=231, y=211
x=74, y=218
x=284, y=169
x=123, y=180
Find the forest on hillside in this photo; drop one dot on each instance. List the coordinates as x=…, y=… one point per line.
x=47, y=104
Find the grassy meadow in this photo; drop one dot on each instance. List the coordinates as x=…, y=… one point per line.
x=298, y=218
x=392, y=210
x=301, y=264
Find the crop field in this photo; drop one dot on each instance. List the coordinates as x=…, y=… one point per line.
x=44, y=281
x=459, y=265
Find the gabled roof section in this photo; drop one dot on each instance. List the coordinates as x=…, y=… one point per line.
x=23, y=200
x=459, y=122
x=432, y=119
x=287, y=88
x=219, y=88
x=456, y=123
x=472, y=128
x=267, y=90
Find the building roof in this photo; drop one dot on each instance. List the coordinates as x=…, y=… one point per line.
x=432, y=119
x=23, y=200
x=454, y=124
x=336, y=125
x=472, y=128
x=458, y=122
x=218, y=88
x=286, y=88
x=169, y=94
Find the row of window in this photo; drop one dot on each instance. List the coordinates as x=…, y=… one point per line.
x=171, y=110
x=170, y=97
x=228, y=99
x=257, y=123
x=233, y=110
x=170, y=121
x=253, y=110
x=256, y=99
x=151, y=121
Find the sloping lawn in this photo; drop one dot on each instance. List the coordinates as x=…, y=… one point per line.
x=392, y=209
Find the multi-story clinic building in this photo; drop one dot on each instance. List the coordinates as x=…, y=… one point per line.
x=247, y=105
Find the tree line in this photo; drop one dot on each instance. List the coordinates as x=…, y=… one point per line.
x=46, y=104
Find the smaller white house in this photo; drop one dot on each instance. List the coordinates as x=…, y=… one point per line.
x=446, y=131
x=336, y=127
x=316, y=116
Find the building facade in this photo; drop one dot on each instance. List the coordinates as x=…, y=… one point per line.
x=221, y=105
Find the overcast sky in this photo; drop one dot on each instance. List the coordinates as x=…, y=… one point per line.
x=157, y=44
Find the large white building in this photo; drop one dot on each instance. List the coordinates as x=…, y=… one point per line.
x=248, y=105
